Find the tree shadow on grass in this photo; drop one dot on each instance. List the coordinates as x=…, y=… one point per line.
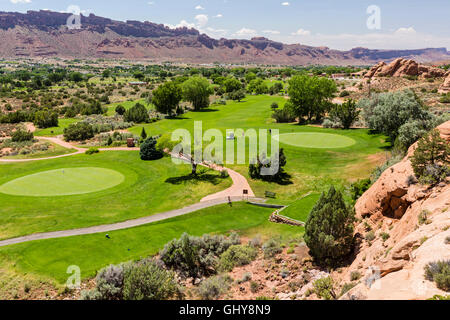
x=199, y=177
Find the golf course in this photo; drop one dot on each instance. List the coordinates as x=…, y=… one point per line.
x=81, y=191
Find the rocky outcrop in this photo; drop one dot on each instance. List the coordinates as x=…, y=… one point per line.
x=392, y=264
x=445, y=87
x=402, y=67
x=44, y=33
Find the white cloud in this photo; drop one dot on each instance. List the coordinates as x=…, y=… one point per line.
x=245, y=32
x=216, y=33
x=151, y=3
x=271, y=31
x=285, y=4
x=199, y=7
x=20, y=1
x=202, y=20
x=301, y=32
x=218, y=15
x=183, y=23
x=409, y=30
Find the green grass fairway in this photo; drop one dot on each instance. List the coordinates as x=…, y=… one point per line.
x=316, y=140
x=56, y=131
x=149, y=187
x=63, y=182
x=300, y=209
x=92, y=252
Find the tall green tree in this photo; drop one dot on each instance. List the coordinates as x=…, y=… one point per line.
x=197, y=91
x=167, y=97
x=138, y=114
x=346, y=113
x=432, y=150
x=232, y=84
x=329, y=228
x=311, y=96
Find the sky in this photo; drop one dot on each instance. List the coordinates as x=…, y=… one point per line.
x=337, y=24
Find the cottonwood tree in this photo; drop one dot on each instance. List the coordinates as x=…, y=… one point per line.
x=310, y=96
x=167, y=97
x=197, y=91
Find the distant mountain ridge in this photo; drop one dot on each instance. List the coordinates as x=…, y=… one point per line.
x=44, y=34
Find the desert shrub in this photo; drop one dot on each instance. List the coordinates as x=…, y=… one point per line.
x=423, y=217
x=147, y=280
x=214, y=287
x=78, y=131
x=45, y=119
x=447, y=240
x=196, y=256
x=254, y=287
x=21, y=136
x=285, y=115
x=344, y=93
x=394, y=159
x=439, y=272
x=387, y=112
x=92, y=151
x=271, y=248
x=109, y=284
x=355, y=275
x=236, y=256
x=385, y=236
x=255, y=242
x=246, y=277
x=358, y=188
x=370, y=236
x=149, y=151
x=347, y=287
x=331, y=124
x=137, y=114
x=274, y=106
x=324, y=288
x=120, y=110
x=329, y=228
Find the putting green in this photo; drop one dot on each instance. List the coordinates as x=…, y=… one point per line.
x=63, y=182
x=316, y=140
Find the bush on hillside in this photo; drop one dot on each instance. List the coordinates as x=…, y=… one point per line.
x=78, y=132
x=21, y=136
x=329, y=228
x=237, y=256
x=196, y=256
x=137, y=114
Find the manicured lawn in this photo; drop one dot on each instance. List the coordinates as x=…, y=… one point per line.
x=126, y=104
x=300, y=209
x=56, y=131
x=50, y=258
x=311, y=169
x=149, y=187
x=63, y=182
x=316, y=140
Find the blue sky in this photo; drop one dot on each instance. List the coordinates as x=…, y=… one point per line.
x=339, y=24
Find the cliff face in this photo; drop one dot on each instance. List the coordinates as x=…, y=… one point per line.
x=44, y=33
x=393, y=206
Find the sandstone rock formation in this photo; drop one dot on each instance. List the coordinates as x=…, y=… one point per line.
x=392, y=206
x=445, y=87
x=402, y=67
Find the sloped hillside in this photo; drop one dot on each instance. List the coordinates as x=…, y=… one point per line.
x=402, y=228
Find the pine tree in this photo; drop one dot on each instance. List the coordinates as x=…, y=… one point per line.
x=329, y=228
x=149, y=151
x=143, y=134
x=431, y=151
